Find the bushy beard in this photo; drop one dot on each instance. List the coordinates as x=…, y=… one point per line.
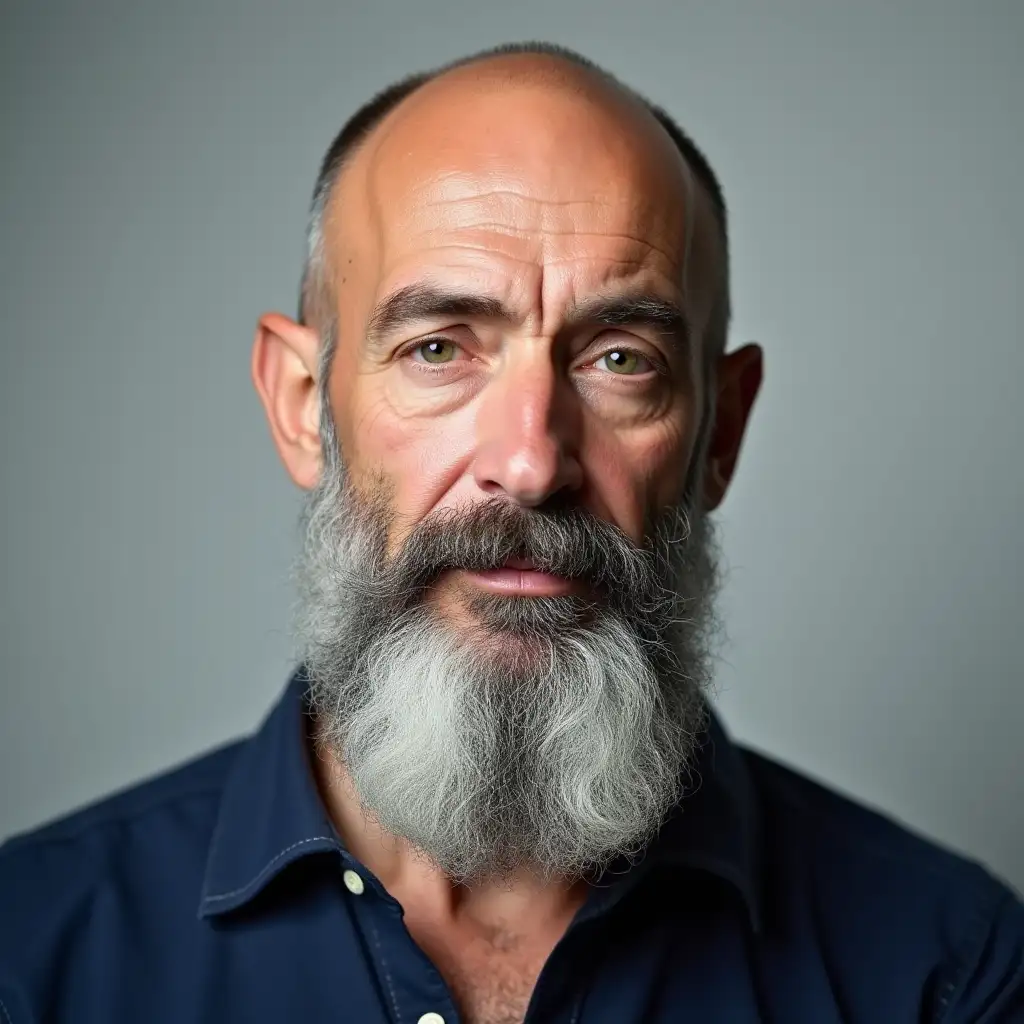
x=553, y=734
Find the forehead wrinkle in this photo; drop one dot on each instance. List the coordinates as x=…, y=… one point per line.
x=514, y=194
x=466, y=215
x=479, y=267
x=484, y=236
x=635, y=207
x=506, y=229
x=394, y=225
x=473, y=248
x=531, y=262
x=606, y=283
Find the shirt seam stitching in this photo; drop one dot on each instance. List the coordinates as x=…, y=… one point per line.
x=975, y=934
x=264, y=871
x=387, y=973
x=34, y=839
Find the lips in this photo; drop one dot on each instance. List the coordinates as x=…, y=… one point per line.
x=521, y=576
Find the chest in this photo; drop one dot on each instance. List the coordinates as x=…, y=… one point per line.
x=491, y=980
x=493, y=990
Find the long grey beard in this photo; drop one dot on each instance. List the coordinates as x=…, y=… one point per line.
x=552, y=736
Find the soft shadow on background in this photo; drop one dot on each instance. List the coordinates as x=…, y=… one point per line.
x=157, y=161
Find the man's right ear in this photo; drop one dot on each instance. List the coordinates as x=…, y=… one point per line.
x=285, y=363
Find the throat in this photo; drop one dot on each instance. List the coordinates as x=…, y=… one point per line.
x=490, y=970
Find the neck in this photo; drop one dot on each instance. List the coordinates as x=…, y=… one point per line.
x=524, y=903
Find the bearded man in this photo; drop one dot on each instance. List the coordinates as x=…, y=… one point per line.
x=494, y=791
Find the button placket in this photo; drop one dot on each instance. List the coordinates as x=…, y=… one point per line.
x=403, y=967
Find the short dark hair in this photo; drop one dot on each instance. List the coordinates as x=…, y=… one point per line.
x=368, y=116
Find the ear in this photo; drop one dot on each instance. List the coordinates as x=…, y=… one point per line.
x=738, y=380
x=285, y=357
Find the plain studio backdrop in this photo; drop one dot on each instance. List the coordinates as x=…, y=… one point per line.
x=157, y=160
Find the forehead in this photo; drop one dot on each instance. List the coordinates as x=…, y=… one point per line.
x=527, y=192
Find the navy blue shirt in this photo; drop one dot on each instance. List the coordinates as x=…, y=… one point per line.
x=220, y=892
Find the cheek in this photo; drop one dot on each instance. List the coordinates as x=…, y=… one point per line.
x=418, y=457
x=636, y=473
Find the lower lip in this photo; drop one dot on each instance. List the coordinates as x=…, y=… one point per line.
x=527, y=582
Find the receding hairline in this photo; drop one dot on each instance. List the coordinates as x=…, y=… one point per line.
x=523, y=70
x=550, y=64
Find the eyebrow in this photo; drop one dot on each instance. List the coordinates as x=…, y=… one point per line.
x=666, y=318
x=416, y=303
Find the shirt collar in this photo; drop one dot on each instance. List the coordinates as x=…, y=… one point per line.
x=271, y=815
x=714, y=829
x=270, y=811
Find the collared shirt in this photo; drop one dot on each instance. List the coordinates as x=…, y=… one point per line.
x=221, y=892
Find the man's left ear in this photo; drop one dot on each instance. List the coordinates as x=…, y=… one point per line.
x=737, y=382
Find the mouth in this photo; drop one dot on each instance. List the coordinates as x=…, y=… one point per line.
x=519, y=577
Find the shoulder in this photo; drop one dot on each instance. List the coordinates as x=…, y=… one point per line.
x=71, y=876
x=890, y=898
x=799, y=809
x=137, y=805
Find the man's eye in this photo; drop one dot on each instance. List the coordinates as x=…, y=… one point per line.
x=625, y=362
x=436, y=350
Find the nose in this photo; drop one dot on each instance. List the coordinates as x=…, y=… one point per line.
x=527, y=427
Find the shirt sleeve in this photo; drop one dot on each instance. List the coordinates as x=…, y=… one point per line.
x=987, y=986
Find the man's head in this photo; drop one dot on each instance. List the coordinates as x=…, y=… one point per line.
x=510, y=403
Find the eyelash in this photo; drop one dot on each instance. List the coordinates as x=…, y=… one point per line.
x=435, y=369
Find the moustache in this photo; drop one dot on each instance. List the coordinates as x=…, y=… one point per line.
x=563, y=540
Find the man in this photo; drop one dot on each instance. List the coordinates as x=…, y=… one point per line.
x=494, y=791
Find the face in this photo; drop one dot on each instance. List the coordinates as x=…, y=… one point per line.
x=505, y=528
x=513, y=317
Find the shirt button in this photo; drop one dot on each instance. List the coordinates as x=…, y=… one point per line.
x=354, y=884
x=431, y=1018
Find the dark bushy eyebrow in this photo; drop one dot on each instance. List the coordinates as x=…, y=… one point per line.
x=666, y=318
x=416, y=303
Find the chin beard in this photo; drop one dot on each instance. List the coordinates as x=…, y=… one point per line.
x=554, y=734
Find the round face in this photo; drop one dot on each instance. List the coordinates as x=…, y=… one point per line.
x=516, y=317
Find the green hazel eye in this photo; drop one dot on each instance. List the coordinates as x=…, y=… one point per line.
x=437, y=350
x=622, y=361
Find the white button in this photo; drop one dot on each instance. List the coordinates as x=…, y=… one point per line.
x=354, y=884
x=431, y=1018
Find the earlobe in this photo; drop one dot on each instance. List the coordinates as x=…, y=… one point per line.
x=716, y=483
x=284, y=366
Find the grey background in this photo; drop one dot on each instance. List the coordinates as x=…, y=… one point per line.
x=157, y=160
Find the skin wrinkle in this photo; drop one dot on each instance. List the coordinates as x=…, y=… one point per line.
x=497, y=236
x=540, y=200
x=570, y=233
x=574, y=232
x=530, y=262
x=394, y=318
x=378, y=148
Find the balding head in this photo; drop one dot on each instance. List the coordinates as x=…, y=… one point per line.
x=546, y=71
